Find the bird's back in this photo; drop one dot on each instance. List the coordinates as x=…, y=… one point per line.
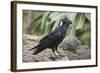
x=53, y=39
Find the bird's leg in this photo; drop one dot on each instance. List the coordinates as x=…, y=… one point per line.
x=56, y=54
x=59, y=52
x=53, y=51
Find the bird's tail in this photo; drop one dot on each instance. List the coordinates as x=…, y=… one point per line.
x=38, y=49
x=34, y=47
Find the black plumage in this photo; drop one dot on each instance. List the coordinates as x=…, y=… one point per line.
x=53, y=39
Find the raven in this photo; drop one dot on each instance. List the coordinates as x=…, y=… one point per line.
x=53, y=39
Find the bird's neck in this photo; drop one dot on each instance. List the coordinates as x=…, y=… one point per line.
x=64, y=27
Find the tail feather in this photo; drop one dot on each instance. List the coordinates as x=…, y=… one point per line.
x=37, y=49
x=34, y=47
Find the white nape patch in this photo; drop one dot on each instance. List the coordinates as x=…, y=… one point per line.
x=61, y=23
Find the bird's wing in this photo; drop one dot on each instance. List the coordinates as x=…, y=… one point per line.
x=51, y=37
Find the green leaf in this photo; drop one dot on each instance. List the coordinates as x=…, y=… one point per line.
x=55, y=25
x=72, y=16
x=88, y=16
x=44, y=20
x=86, y=38
x=79, y=20
x=57, y=15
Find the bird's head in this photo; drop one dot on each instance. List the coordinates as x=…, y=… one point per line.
x=66, y=22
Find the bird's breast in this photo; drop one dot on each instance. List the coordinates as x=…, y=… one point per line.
x=61, y=34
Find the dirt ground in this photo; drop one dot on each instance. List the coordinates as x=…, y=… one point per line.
x=81, y=53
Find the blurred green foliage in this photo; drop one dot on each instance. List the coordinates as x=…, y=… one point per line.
x=24, y=40
x=43, y=22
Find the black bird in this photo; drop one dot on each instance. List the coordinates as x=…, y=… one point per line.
x=53, y=39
